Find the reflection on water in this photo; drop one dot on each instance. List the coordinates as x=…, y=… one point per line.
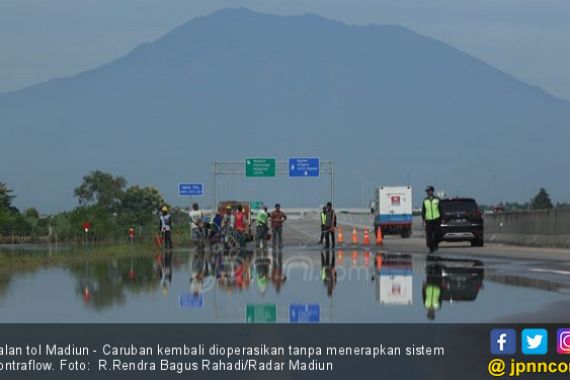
x=394, y=279
x=328, y=271
x=446, y=280
x=237, y=272
x=450, y=280
x=205, y=286
x=104, y=284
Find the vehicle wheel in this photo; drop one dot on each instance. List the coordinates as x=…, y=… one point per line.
x=478, y=243
x=217, y=248
x=406, y=233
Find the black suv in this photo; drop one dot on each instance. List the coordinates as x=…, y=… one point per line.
x=461, y=220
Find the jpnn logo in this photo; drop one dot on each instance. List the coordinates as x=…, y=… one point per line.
x=504, y=342
x=534, y=341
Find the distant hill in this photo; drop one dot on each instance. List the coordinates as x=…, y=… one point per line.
x=386, y=104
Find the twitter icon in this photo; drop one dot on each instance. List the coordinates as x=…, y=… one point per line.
x=534, y=342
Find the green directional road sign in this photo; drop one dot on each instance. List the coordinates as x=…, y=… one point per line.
x=260, y=167
x=256, y=205
x=261, y=313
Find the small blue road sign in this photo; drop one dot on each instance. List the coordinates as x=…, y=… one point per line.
x=304, y=313
x=191, y=189
x=191, y=301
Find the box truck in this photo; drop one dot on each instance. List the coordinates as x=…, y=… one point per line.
x=394, y=210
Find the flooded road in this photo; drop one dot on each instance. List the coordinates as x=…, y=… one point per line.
x=349, y=284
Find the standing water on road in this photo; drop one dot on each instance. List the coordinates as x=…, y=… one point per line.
x=343, y=285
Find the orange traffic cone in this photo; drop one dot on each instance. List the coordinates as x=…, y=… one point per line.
x=340, y=238
x=366, y=237
x=354, y=257
x=340, y=256
x=354, y=236
x=379, y=239
x=378, y=261
x=366, y=258
x=86, y=295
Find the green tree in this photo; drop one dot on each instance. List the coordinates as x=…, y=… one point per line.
x=14, y=224
x=102, y=189
x=139, y=205
x=11, y=222
x=103, y=223
x=6, y=198
x=541, y=200
x=32, y=212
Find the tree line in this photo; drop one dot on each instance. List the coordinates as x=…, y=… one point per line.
x=104, y=201
x=111, y=207
x=541, y=201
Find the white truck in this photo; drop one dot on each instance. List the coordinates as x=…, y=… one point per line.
x=394, y=210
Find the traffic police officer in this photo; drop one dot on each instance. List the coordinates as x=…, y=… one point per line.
x=431, y=218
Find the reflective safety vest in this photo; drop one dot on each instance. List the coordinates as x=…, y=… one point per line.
x=262, y=217
x=165, y=222
x=432, y=208
x=432, y=297
x=195, y=219
x=323, y=218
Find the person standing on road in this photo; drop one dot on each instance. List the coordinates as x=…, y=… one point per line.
x=323, y=222
x=330, y=224
x=196, y=224
x=240, y=225
x=261, y=227
x=165, y=227
x=228, y=219
x=216, y=224
x=278, y=217
x=431, y=218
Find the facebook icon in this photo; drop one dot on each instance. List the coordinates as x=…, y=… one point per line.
x=503, y=342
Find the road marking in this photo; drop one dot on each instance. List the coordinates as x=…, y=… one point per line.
x=301, y=230
x=311, y=236
x=555, y=271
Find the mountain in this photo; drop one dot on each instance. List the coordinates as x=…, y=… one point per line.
x=389, y=106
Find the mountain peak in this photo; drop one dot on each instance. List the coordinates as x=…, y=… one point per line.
x=401, y=107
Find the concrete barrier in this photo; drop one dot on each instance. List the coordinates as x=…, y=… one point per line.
x=539, y=228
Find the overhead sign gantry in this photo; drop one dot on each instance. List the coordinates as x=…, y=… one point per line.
x=255, y=167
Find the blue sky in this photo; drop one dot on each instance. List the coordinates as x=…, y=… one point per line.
x=41, y=39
